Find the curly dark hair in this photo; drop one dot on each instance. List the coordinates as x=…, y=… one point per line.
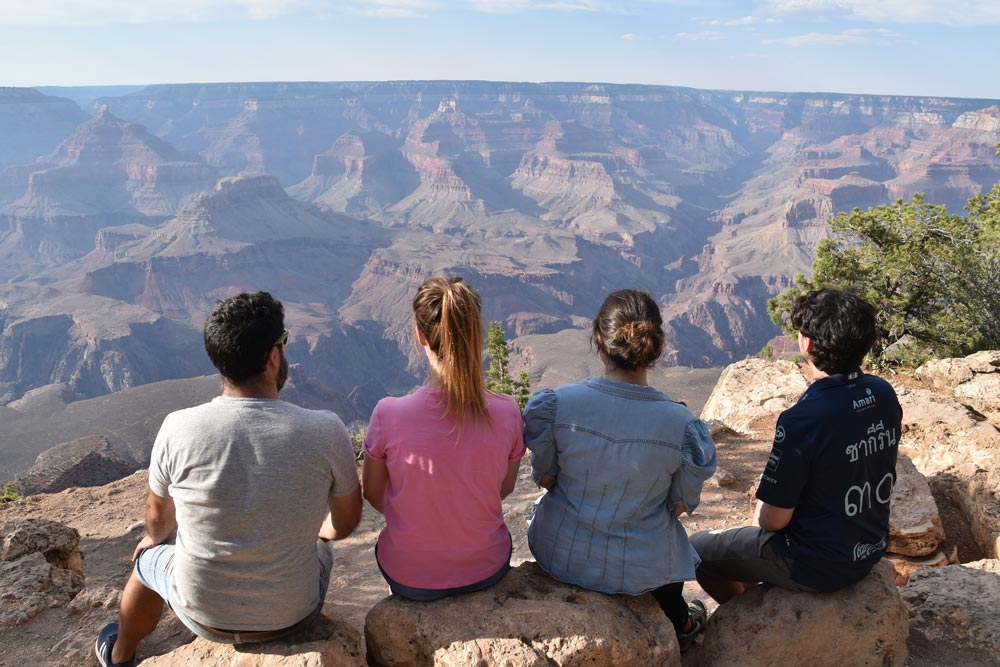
x=841, y=326
x=240, y=332
x=629, y=329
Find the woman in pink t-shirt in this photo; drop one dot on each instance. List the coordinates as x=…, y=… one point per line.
x=439, y=461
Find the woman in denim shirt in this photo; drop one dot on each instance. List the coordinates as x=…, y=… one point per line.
x=621, y=462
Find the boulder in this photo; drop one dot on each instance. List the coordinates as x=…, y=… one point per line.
x=957, y=604
x=58, y=543
x=914, y=524
x=327, y=643
x=753, y=388
x=864, y=624
x=956, y=449
x=974, y=380
x=40, y=567
x=527, y=619
x=907, y=565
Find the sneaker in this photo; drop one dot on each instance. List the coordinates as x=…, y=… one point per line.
x=698, y=614
x=105, y=642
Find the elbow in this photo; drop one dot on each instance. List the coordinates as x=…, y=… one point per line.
x=506, y=490
x=377, y=501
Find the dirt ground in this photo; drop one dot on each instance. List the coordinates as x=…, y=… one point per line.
x=109, y=520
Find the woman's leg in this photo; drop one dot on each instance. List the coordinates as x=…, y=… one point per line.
x=672, y=603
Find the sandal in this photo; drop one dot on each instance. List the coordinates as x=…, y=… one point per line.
x=697, y=615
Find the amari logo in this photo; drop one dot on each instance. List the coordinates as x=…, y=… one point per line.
x=864, y=403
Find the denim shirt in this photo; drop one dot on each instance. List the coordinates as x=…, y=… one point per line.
x=622, y=455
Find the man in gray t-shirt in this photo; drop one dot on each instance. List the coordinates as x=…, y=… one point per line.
x=246, y=492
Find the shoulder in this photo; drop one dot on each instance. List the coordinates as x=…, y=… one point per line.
x=324, y=421
x=502, y=407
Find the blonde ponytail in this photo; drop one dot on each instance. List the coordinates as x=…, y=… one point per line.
x=448, y=314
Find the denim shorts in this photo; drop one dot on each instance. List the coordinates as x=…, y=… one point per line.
x=744, y=554
x=428, y=594
x=155, y=566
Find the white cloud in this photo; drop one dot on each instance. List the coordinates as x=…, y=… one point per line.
x=101, y=12
x=632, y=37
x=512, y=6
x=743, y=21
x=393, y=9
x=703, y=36
x=843, y=38
x=947, y=12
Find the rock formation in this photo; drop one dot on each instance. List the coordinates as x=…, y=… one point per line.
x=864, y=624
x=327, y=643
x=957, y=604
x=526, y=620
x=751, y=389
x=40, y=567
x=974, y=380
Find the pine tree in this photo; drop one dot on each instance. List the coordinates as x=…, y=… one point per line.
x=933, y=277
x=498, y=378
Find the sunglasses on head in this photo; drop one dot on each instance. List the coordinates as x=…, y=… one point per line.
x=282, y=339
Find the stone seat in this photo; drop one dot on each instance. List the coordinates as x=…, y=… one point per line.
x=866, y=624
x=526, y=620
x=326, y=643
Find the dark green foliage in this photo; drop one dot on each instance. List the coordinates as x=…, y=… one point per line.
x=933, y=277
x=498, y=378
x=9, y=493
x=766, y=352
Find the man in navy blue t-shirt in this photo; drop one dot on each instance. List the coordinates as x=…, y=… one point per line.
x=822, y=519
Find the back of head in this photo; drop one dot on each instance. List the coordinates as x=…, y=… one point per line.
x=240, y=333
x=629, y=329
x=448, y=314
x=841, y=326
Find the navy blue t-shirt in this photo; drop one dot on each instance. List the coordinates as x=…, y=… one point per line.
x=834, y=461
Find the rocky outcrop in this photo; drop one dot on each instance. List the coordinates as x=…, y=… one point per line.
x=527, y=619
x=914, y=523
x=327, y=643
x=863, y=625
x=973, y=380
x=956, y=449
x=40, y=567
x=957, y=604
x=751, y=389
x=89, y=461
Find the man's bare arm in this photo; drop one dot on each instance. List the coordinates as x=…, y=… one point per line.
x=344, y=516
x=770, y=517
x=161, y=522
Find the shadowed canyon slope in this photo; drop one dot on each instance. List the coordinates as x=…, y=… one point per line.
x=340, y=198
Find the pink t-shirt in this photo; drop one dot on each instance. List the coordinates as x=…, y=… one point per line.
x=444, y=524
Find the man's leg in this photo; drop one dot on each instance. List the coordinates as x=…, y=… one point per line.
x=737, y=559
x=720, y=590
x=140, y=612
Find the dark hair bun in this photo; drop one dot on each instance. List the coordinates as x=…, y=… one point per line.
x=630, y=329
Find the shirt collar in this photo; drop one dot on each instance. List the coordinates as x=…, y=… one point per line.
x=835, y=380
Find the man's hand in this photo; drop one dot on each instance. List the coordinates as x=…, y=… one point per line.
x=680, y=508
x=147, y=542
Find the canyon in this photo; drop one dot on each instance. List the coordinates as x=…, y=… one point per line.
x=124, y=217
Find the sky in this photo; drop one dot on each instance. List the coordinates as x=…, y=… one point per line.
x=898, y=47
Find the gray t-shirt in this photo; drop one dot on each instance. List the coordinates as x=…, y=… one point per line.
x=250, y=479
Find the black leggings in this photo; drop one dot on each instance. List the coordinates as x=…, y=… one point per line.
x=673, y=604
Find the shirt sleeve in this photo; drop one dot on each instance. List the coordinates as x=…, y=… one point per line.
x=539, y=433
x=373, y=446
x=345, y=468
x=787, y=468
x=698, y=462
x=159, y=471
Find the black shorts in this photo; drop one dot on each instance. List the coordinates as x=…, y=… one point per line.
x=744, y=554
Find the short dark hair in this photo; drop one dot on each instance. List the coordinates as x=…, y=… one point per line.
x=630, y=329
x=841, y=326
x=240, y=332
